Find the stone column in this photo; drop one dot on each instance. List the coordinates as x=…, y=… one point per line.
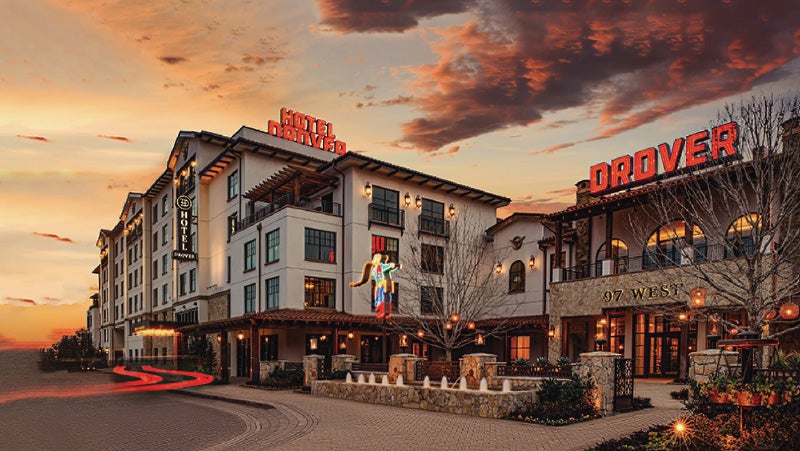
x=342, y=362
x=599, y=367
x=311, y=368
x=398, y=367
x=267, y=367
x=712, y=363
x=473, y=367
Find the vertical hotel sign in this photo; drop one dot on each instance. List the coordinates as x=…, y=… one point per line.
x=184, y=251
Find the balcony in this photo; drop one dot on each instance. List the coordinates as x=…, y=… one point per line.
x=431, y=225
x=332, y=208
x=388, y=216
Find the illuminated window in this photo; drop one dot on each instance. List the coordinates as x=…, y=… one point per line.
x=320, y=292
x=273, y=240
x=520, y=347
x=232, y=223
x=250, y=255
x=320, y=245
x=741, y=236
x=665, y=243
x=619, y=255
x=516, y=277
x=164, y=205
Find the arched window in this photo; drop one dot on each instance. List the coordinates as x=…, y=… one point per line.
x=741, y=236
x=665, y=243
x=516, y=277
x=619, y=254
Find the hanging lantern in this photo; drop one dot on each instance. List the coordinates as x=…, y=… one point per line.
x=240, y=336
x=479, y=340
x=698, y=297
x=789, y=310
x=551, y=331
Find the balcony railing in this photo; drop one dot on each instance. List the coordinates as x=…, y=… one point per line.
x=391, y=216
x=333, y=208
x=432, y=225
x=662, y=259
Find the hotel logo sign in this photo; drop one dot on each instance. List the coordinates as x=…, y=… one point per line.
x=309, y=130
x=183, y=249
x=642, y=167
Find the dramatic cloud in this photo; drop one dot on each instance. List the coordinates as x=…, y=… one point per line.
x=115, y=138
x=34, y=138
x=400, y=100
x=385, y=15
x=54, y=237
x=631, y=62
x=20, y=300
x=172, y=59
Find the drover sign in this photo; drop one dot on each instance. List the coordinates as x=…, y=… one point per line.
x=695, y=151
x=304, y=129
x=183, y=250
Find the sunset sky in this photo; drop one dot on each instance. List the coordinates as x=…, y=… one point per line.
x=518, y=98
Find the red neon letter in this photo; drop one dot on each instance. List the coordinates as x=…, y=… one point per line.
x=598, y=178
x=316, y=140
x=321, y=127
x=645, y=164
x=340, y=147
x=310, y=120
x=328, y=143
x=274, y=129
x=299, y=120
x=303, y=136
x=671, y=158
x=723, y=138
x=696, y=148
x=329, y=131
x=289, y=133
x=621, y=170
x=286, y=116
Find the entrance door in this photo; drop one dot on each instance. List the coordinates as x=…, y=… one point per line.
x=657, y=343
x=664, y=356
x=243, y=358
x=371, y=349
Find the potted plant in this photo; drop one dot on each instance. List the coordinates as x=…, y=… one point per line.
x=719, y=390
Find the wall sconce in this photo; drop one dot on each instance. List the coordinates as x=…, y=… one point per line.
x=455, y=317
x=342, y=345
x=368, y=189
x=407, y=199
x=789, y=310
x=471, y=325
x=266, y=339
x=498, y=268
x=452, y=210
x=323, y=338
x=418, y=201
x=532, y=262
x=350, y=335
x=312, y=344
x=219, y=338
x=176, y=182
x=403, y=341
x=551, y=331
x=603, y=321
x=698, y=297
x=682, y=316
x=479, y=340
x=193, y=163
x=420, y=333
x=240, y=336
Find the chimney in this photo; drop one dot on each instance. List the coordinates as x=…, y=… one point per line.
x=582, y=195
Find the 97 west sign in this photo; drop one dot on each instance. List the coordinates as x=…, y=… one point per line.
x=183, y=250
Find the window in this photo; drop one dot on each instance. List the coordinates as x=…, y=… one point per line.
x=250, y=255
x=193, y=280
x=155, y=269
x=320, y=292
x=164, y=230
x=619, y=255
x=431, y=219
x=155, y=212
x=320, y=245
x=516, y=277
x=193, y=240
x=250, y=298
x=272, y=292
x=520, y=347
x=430, y=300
x=273, y=240
x=165, y=205
x=664, y=245
x=154, y=301
x=269, y=347
x=232, y=220
x=164, y=293
x=194, y=208
x=233, y=185
x=386, y=246
x=228, y=269
x=741, y=236
x=182, y=284
x=187, y=316
x=155, y=240
x=164, y=263
x=385, y=206
x=432, y=258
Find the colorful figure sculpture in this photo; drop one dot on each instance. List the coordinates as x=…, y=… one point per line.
x=380, y=271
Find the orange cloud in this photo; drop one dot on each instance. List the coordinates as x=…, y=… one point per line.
x=115, y=138
x=20, y=300
x=383, y=16
x=172, y=59
x=54, y=237
x=34, y=138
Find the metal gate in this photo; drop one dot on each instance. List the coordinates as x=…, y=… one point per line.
x=623, y=384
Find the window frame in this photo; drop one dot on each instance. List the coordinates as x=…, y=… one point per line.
x=517, y=268
x=249, y=253
x=249, y=297
x=233, y=185
x=325, y=242
x=426, y=250
x=317, y=295
x=272, y=292
x=426, y=300
x=272, y=240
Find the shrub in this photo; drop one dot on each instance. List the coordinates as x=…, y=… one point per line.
x=561, y=402
x=522, y=362
x=640, y=402
x=290, y=377
x=333, y=375
x=682, y=394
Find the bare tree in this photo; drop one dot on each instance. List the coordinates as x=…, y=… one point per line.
x=448, y=269
x=736, y=227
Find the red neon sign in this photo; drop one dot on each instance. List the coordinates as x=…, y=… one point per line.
x=304, y=129
x=642, y=167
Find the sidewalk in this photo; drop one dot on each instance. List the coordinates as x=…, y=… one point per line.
x=316, y=422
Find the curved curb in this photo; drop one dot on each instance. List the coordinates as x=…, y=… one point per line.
x=245, y=402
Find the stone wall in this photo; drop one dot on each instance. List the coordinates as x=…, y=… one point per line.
x=218, y=306
x=599, y=368
x=463, y=402
x=713, y=363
